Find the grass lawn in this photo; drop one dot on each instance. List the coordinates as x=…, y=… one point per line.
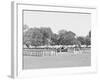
x=32, y=62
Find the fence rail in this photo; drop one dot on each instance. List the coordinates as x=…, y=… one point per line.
x=40, y=52
x=53, y=52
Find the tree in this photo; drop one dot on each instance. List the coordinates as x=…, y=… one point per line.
x=61, y=32
x=81, y=39
x=27, y=37
x=66, y=37
x=37, y=37
x=47, y=34
x=88, y=39
x=33, y=37
x=54, y=39
x=89, y=34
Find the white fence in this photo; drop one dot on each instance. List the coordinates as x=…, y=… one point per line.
x=51, y=52
x=40, y=52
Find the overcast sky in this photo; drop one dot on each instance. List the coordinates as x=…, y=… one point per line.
x=78, y=23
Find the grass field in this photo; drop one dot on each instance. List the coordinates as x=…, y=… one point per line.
x=75, y=60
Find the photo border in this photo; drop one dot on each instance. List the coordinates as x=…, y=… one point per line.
x=16, y=62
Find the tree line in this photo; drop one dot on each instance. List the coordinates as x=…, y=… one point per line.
x=44, y=36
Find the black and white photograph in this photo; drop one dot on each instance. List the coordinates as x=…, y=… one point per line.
x=56, y=39
x=50, y=40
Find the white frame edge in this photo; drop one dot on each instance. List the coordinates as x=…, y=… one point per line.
x=16, y=57
x=14, y=72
